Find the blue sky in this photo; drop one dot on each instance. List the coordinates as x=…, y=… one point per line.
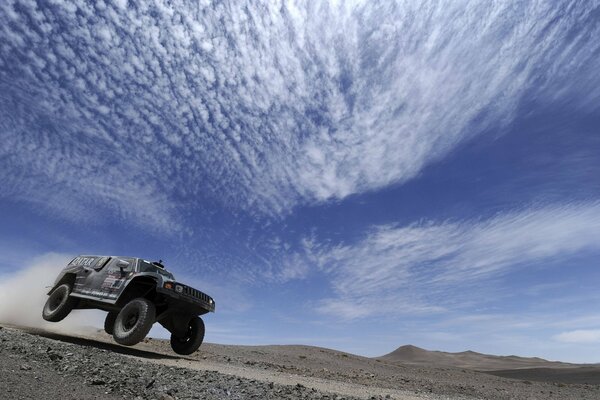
x=344, y=174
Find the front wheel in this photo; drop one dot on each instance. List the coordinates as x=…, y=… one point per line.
x=192, y=340
x=134, y=322
x=59, y=304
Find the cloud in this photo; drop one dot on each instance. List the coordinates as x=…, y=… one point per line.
x=432, y=266
x=579, y=336
x=146, y=109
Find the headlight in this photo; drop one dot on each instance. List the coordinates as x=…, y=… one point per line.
x=178, y=288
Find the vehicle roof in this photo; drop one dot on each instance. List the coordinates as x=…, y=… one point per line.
x=135, y=258
x=106, y=255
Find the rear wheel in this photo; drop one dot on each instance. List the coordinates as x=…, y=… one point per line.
x=134, y=322
x=192, y=340
x=59, y=304
x=109, y=322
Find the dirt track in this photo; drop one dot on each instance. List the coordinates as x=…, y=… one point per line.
x=42, y=364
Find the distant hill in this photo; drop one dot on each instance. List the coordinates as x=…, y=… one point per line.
x=468, y=359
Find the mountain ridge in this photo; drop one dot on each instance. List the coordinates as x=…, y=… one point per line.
x=410, y=354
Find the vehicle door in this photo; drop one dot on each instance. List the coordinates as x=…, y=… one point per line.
x=88, y=268
x=115, y=275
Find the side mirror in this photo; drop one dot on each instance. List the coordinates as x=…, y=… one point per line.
x=122, y=264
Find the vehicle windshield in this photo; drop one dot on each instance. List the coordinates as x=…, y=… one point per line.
x=145, y=266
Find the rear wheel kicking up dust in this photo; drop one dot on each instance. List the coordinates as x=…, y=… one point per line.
x=192, y=340
x=134, y=322
x=59, y=304
x=109, y=322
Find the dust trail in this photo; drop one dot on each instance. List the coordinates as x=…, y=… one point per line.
x=23, y=294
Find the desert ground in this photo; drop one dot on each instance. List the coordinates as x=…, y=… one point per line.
x=41, y=364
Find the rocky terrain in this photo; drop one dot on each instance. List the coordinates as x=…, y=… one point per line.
x=36, y=364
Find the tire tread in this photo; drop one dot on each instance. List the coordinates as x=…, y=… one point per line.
x=145, y=320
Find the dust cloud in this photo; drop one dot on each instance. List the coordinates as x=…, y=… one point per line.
x=23, y=294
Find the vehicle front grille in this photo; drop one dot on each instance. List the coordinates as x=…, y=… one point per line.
x=188, y=291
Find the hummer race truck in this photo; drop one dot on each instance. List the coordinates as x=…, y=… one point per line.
x=136, y=293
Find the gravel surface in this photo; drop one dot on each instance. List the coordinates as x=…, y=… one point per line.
x=448, y=382
x=38, y=367
x=40, y=364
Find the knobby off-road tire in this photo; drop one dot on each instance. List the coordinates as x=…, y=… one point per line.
x=192, y=340
x=109, y=322
x=59, y=304
x=134, y=322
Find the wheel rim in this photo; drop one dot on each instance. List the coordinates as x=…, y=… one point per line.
x=55, y=302
x=130, y=321
x=187, y=336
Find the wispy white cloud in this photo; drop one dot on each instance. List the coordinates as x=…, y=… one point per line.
x=144, y=108
x=428, y=266
x=529, y=331
x=579, y=336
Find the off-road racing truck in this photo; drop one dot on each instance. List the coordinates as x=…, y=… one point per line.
x=136, y=293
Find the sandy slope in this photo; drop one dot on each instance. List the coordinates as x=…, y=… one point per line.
x=286, y=372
